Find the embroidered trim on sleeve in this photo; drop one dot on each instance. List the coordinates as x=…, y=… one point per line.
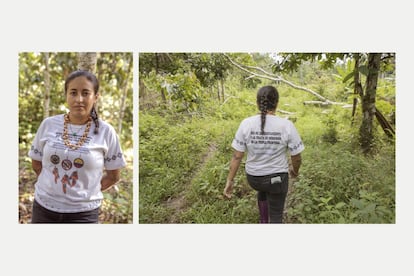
x=114, y=157
x=296, y=146
x=36, y=151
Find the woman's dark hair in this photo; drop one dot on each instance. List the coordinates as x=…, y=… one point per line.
x=267, y=99
x=92, y=78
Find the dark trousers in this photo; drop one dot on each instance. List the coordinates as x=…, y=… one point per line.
x=274, y=193
x=41, y=214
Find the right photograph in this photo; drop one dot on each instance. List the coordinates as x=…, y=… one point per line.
x=246, y=138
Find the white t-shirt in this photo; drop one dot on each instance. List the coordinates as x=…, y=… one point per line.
x=267, y=154
x=70, y=180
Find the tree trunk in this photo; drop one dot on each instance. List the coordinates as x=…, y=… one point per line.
x=46, y=101
x=218, y=91
x=222, y=89
x=142, y=90
x=368, y=103
x=357, y=86
x=87, y=61
x=164, y=98
x=124, y=96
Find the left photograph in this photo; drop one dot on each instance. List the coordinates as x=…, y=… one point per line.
x=75, y=137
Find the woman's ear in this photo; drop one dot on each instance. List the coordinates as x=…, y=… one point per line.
x=96, y=96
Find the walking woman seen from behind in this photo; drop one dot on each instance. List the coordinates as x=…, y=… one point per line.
x=76, y=156
x=269, y=141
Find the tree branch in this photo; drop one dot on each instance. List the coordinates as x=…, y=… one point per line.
x=270, y=76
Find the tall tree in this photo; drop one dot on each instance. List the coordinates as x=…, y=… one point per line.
x=46, y=97
x=368, y=102
x=125, y=88
x=370, y=69
x=87, y=61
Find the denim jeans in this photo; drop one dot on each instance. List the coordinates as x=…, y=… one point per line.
x=274, y=193
x=42, y=215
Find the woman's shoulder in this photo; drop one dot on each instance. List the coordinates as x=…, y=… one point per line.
x=280, y=119
x=53, y=119
x=105, y=126
x=283, y=122
x=252, y=118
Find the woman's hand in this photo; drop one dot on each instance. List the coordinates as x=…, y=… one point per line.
x=37, y=166
x=228, y=190
x=294, y=168
x=234, y=166
x=110, y=179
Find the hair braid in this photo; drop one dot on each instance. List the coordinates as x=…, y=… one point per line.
x=95, y=119
x=267, y=99
x=263, y=111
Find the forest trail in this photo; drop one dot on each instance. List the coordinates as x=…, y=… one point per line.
x=178, y=204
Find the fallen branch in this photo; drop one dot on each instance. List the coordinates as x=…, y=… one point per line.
x=270, y=76
x=320, y=103
x=385, y=125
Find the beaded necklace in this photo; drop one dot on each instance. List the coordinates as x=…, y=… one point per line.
x=81, y=140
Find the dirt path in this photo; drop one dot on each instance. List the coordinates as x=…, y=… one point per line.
x=288, y=201
x=179, y=203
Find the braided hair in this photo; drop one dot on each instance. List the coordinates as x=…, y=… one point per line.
x=92, y=78
x=267, y=99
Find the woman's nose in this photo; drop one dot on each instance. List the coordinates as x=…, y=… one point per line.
x=79, y=98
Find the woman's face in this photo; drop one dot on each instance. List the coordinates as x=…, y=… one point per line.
x=80, y=97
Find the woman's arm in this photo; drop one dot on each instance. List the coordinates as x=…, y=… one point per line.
x=37, y=166
x=109, y=179
x=234, y=166
x=296, y=162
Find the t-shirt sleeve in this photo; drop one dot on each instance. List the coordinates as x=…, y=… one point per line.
x=295, y=143
x=114, y=158
x=36, y=150
x=239, y=141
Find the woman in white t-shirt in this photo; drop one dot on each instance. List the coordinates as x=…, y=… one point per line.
x=268, y=140
x=76, y=156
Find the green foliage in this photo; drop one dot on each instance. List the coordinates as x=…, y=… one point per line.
x=117, y=206
x=343, y=187
x=209, y=68
x=331, y=134
x=290, y=62
x=163, y=167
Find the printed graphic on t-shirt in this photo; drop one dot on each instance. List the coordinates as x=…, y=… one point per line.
x=66, y=167
x=267, y=138
x=264, y=143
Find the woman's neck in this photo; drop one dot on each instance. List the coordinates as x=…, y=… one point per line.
x=78, y=120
